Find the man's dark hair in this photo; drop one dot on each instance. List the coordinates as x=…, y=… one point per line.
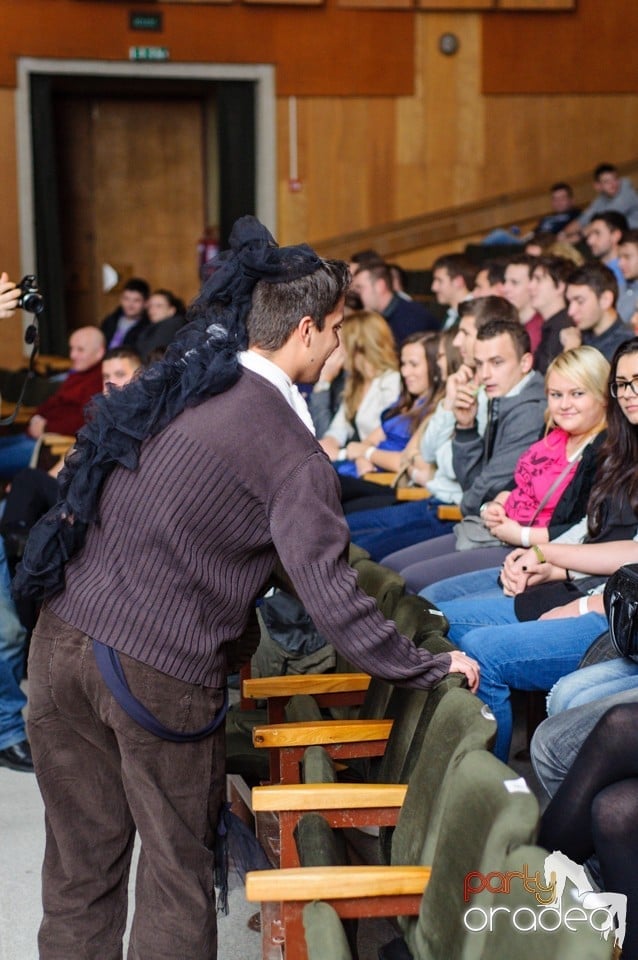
x=485, y=309
x=495, y=271
x=123, y=353
x=522, y=260
x=514, y=328
x=397, y=272
x=361, y=257
x=597, y=277
x=557, y=268
x=604, y=168
x=630, y=236
x=277, y=308
x=561, y=185
x=613, y=218
x=457, y=266
x=378, y=270
x=137, y=285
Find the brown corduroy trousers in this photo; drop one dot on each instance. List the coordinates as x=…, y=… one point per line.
x=103, y=778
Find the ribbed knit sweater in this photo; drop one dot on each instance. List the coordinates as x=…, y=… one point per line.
x=187, y=541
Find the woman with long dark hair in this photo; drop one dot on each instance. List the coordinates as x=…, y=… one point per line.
x=553, y=608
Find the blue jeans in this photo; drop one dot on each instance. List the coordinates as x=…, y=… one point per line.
x=387, y=529
x=480, y=582
x=15, y=454
x=530, y=655
x=559, y=738
x=12, y=653
x=592, y=683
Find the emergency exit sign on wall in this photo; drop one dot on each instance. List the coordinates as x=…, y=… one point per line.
x=149, y=53
x=145, y=21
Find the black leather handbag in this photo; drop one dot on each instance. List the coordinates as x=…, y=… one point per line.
x=621, y=607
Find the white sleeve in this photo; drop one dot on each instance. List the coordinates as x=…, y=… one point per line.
x=575, y=534
x=340, y=427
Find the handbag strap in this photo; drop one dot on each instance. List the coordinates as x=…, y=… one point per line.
x=559, y=479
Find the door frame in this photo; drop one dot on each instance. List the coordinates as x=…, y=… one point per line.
x=262, y=75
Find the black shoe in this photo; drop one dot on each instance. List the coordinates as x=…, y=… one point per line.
x=17, y=757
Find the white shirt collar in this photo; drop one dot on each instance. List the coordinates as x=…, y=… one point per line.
x=279, y=378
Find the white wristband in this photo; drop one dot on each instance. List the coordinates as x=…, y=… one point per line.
x=583, y=606
x=525, y=531
x=368, y=454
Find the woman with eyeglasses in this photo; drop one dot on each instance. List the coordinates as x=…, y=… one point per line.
x=552, y=607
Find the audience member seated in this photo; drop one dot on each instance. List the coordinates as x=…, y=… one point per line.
x=552, y=482
x=603, y=235
x=552, y=608
x=516, y=289
x=453, y=278
x=119, y=366
x=15, y=752
x=540, y=245
x=433, y=469
x=614, y=193
x=490, y=279
x=547, y=295
x=63, y=412
x=122, y=327
x=373, y=381
x=373, y=283
x=483, y=465
x=628, y=262
x=559, y=738
x=594, y=811
x=326, y=395
x=33, y=491
x=166, y=317
x=591, y=297
x=563, y=210
x=384, y=448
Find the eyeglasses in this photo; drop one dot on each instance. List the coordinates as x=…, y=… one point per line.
x=618, y=387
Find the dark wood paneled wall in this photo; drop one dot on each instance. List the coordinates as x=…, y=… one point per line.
x=589, y=51
x=323, y=51
x=439, y=135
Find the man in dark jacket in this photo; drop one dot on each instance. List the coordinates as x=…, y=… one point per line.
x=122, y=327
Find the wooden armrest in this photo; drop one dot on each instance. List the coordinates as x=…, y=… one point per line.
x=260, y=688
x=327, y=796
x=58, y=443
x=335, y=883
x=449, y=512
x=412, y=493
x=329, y=731
x=383, y=478
x=24, y=413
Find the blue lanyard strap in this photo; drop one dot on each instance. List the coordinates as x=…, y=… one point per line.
x=112, y=672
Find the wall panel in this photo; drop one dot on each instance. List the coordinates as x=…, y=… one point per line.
x=10, y=330
x=317, y=50
x=437, y=142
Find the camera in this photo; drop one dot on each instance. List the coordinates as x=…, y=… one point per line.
x=30, y=299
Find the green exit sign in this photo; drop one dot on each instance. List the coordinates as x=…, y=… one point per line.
x=149, y=53
x=145, y=21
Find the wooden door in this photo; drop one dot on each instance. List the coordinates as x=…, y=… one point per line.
x=132, y=196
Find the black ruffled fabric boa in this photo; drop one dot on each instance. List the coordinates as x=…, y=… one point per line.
x=201, y=362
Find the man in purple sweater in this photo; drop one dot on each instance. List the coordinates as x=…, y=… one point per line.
x=129, y=659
